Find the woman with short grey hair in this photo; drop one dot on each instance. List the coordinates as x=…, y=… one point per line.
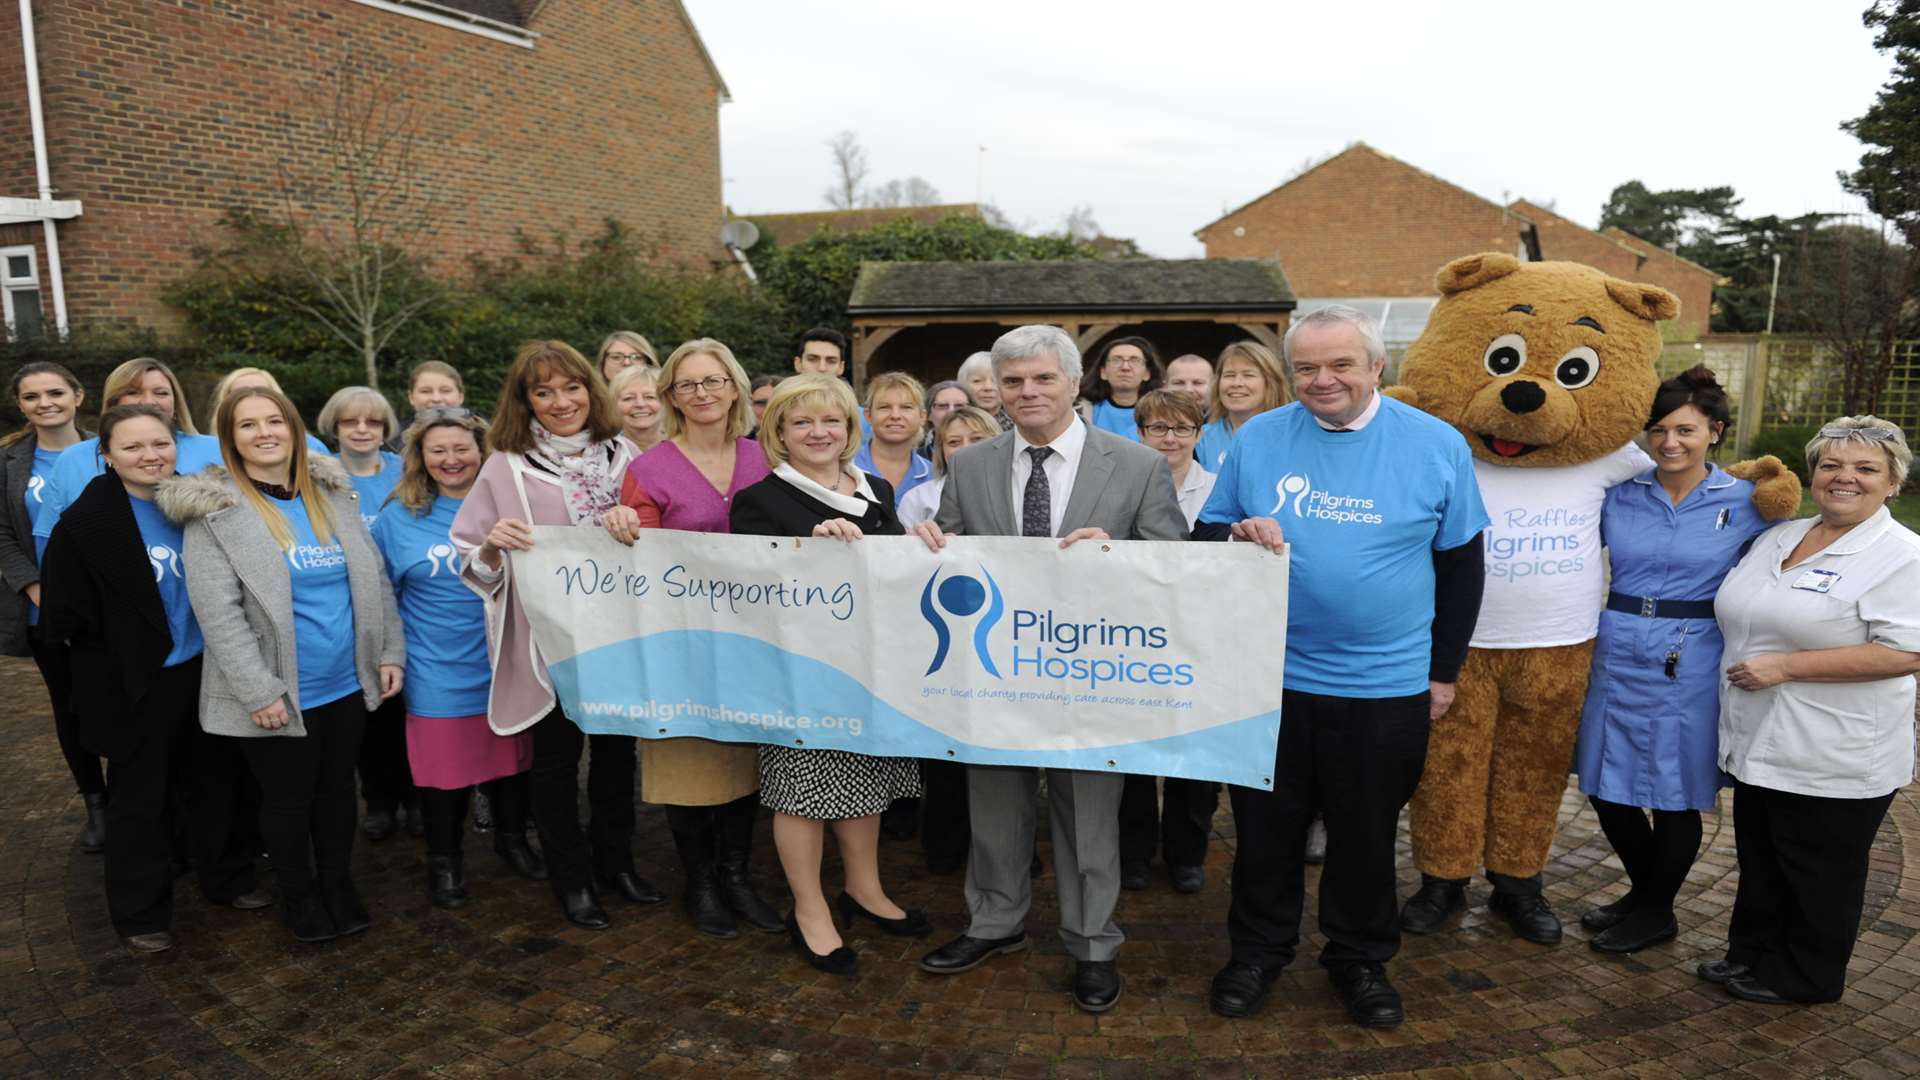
x=976, y=374
x=1822, y=626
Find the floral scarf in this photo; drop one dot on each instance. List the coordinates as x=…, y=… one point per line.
x=585, y=468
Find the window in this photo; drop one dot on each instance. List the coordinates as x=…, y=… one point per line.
x=20, y=293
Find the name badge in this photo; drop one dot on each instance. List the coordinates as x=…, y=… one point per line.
x=1817, y=580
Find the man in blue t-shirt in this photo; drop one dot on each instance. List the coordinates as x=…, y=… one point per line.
x=1381, y=517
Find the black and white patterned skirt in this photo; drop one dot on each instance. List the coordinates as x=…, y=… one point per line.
x=831, y=785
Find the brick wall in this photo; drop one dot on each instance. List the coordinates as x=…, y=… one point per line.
x=164, y=113
x=1364, y=224
x=1630, y=258
x=16, y=131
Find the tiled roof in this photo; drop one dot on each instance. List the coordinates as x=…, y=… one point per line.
x=1072, y=285
x=793, y=228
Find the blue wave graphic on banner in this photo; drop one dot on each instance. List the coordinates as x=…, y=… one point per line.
x=734, y=688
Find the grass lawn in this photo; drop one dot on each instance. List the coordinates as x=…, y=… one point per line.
x=1906, y=509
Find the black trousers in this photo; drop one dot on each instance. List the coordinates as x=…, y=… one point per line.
x=607, y=844
x=1357, y=762
x=307, y=812
x=165, y=802
x=445, y=811
x=55, y=662
x=1179, y=828
x=946, y=830
x=386, y=780
x=1803, y=886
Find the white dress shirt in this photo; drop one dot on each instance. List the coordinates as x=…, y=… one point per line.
x=1194, y=489
x=1366, y=416
x=1062, y=466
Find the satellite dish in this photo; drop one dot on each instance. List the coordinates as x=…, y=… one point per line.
x=740, y=234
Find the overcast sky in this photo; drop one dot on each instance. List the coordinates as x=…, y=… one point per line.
x=1160, y=116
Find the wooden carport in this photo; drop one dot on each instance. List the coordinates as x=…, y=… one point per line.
x=926, y=317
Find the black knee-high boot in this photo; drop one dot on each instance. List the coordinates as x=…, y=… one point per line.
x=694, y=832
x=736, y=847
x=444, y=814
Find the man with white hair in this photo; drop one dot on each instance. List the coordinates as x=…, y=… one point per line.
x=1051, y=476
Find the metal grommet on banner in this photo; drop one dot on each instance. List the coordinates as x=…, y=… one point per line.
x=799, y=742
x=663, y=731
x=1112, y=763
x=1267, y=780
x=949, y=753
x=1106, y=547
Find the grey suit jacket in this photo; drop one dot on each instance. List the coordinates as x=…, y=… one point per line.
x=1121, y=486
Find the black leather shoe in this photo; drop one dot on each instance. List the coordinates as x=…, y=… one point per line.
x=1096, y=985
x=1633, y=934
x=1718, y=972
x=252, y=901
x=446, y=882
x=1135, y=876
x=379, y=824
x=93, y=835
x=158, y=941
x=1429, y=907
x=736, y=889
x=704, y=905
x=841, y=961
x=1528, y=914
x=512, y=846
x=1370, y=999
x=1188, y=879
x=1748, y=988
x=632, y=886
x=306, y=917
x=914, y=925
x=582, y=909
x=1608, y=916
x=1316, y=852
x=966, y=953
x=344, y=905
x=1238, y=990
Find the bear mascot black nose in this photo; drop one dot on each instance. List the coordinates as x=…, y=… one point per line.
x=1522, y=396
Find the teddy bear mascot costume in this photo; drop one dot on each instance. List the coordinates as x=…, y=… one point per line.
x=1547, y=369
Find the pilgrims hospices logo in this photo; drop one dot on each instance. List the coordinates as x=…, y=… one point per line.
x=962, y=596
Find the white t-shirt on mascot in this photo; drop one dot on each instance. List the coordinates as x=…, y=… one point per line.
x=1545, y=574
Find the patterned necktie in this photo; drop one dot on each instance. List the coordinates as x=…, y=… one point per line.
x=1036, y=508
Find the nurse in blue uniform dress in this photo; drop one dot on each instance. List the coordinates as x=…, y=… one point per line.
x=1649, y=736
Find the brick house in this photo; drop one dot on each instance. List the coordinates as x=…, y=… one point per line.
x=159, y=115
x=1368, y=229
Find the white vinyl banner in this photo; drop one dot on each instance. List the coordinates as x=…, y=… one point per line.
x=1133, y=657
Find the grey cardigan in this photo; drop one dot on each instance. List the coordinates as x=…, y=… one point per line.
x=242, y=596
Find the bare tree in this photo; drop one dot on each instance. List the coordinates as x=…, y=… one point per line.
x=1079, y=224
x=1855, y=289
x=913, y=191
x=850, y=169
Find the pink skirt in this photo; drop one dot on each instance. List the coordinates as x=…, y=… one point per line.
x=453, y=752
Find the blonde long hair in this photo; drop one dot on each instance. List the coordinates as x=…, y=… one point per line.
x=319, y=508
x=125, y=378
x=416, y=489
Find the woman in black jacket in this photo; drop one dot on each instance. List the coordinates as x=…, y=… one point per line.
x=809, y=434
x=115, y=592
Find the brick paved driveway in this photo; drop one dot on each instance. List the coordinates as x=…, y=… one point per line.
x=504, y=986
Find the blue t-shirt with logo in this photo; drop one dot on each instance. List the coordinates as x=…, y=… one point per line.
x=162, y=539
x=445, y=621
x=81, y=462
x=1363, y=512
x=1117, y=419
x=37, y=506
x=1216, y=439
x=322, y=612
x=375, y=489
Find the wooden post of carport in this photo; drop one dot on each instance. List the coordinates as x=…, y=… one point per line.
x=867, y=339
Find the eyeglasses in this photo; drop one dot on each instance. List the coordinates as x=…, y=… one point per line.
x=712, y=384
x=1124, y=362
x=1160, y=431
x=1876, y=434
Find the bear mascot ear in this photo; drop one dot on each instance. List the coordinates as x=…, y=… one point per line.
x=1473, y=271
x=1649, y=302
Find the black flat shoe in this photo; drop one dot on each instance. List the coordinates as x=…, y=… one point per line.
x=446, y=882
x=1608, y=916
x=307, y=919
x=1135, y=876
x=1371, y=1000
x=512, y=847
x=1096, y=985
x=840, y=961
x=158, y=941
x=1428, y=909
x=632, y=886
x=1748, y=988
x=1238, y=990
x=966, y=953
x=1718, y=972
x=344, y=906
x=1528, y=915
x=1188, y=879
x=1632, y=935
x=379, y=825
x=581, y=909
x=914, y=925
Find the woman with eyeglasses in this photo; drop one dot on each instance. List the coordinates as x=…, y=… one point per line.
x=942, y=399
x=1247, y=382
x=1127, y=368
x=359, y=421
x=302, y=642
x=1822, y=625
x=624, y=349
x=1170, y=422
x=450, y=749
x=557, y=460
x=688, y=482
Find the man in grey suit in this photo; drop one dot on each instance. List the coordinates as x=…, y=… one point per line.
x=1052, y=476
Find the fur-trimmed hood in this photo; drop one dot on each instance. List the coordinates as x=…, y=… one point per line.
x=189, y=498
